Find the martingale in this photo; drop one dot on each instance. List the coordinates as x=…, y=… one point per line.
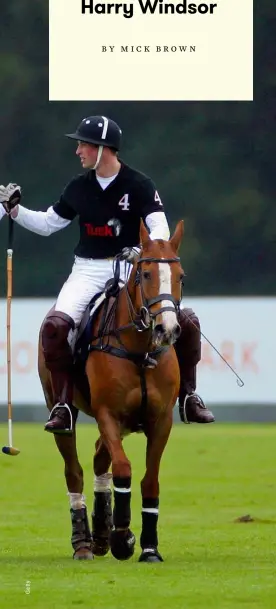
x=148, y=6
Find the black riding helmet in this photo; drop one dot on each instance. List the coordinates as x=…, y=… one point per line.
x=98, y=130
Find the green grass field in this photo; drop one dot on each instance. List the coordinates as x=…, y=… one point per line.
x=210, y=476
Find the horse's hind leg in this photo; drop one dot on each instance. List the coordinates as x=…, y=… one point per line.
x=102, y=507
x=157, y=437
x=122, y=540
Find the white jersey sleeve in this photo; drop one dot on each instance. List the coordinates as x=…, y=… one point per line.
x=158, y=225
x=41, y=222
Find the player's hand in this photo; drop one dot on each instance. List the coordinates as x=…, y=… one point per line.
x=10, y=196
x=130, y=254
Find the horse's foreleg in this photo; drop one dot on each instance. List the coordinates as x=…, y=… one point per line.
x=122, y=540
x=102, y=507
x=157, y=438
x=81, y=536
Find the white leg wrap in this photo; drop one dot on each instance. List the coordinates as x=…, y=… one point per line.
x=151, y=511
x=103, y=483
x=77, y=501
x=122, y=490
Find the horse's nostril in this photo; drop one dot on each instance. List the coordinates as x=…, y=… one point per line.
x=159, y=329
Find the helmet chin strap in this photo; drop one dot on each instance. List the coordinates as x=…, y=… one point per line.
x=99, y=156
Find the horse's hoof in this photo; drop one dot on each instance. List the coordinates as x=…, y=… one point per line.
x=100, y=546
x=83, y=554
x=122, y=544
x=150, y=555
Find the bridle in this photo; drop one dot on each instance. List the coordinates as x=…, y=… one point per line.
x=143, y=320
x=146, y=317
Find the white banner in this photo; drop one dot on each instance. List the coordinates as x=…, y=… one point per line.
x=150, y=50
x=242, y=329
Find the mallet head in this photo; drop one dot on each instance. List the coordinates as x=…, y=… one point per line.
x=10, y=450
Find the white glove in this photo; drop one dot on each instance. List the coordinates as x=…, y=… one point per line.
x=10, y=196
x=130, y=254
x=3, y=193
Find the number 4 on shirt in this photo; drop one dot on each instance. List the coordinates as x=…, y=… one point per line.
x=157, y=198
x=124, y=203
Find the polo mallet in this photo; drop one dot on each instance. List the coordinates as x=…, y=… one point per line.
x=9, y=450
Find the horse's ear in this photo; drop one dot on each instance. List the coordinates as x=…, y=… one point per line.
x=175, y=240
x=144, y=235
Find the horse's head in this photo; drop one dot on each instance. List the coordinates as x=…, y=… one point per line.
x=158, y=280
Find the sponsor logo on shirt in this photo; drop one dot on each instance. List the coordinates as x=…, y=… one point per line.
x=117, y=226
x=111, y=229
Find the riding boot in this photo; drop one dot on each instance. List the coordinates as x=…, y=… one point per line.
x=188, y=350
x=59, y=361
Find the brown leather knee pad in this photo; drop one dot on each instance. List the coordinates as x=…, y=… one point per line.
x=188, y=345
x=54, y=335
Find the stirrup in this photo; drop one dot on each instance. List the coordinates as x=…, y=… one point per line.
x=182, y=408
x=59, y=405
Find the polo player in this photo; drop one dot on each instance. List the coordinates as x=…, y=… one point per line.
x=109, y=198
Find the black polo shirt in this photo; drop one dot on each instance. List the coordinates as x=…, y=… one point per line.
x=109, y=219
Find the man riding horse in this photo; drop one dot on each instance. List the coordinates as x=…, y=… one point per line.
x=109, y=200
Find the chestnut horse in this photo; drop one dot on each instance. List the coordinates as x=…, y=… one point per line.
x=133, y=378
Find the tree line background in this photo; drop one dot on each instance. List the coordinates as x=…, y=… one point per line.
x=213, y=164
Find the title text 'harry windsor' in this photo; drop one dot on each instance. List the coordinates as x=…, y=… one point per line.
x=148, y=7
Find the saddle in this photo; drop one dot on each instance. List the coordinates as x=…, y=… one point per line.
x=81, y=341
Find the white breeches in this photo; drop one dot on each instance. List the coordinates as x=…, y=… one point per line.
x=88, y=277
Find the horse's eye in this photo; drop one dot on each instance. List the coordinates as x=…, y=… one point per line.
x=146, y=274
